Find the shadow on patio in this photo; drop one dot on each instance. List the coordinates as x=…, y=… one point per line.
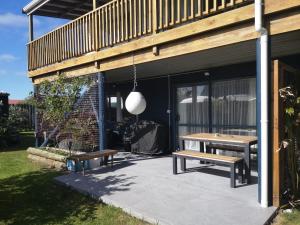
x=146, y=188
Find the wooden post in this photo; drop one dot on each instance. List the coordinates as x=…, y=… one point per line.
x=154, y=16
x=30, y=30
x=94, y=4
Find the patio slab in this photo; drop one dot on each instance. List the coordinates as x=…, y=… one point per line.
x=147, y=189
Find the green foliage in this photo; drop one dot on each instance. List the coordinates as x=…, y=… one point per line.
x=57, y=98
x=290, y=111
x=292, y=125
x=19, y=117
x=3, y=131
x=288, y=218
x=80, y=129
x=8, y=133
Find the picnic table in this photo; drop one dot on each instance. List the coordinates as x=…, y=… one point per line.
x=82, y=158
x=245, y=142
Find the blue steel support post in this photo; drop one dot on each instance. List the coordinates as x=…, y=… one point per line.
x=101, y=109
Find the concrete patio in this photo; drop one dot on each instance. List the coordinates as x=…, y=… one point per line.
x=146, y=188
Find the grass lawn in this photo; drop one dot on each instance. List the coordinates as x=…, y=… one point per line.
x=288, y=218
x=28, y=195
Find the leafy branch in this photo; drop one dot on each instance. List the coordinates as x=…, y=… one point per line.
x=55, y=101
x=292, y=124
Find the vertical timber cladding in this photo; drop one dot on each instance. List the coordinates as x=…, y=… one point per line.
x=85, y=114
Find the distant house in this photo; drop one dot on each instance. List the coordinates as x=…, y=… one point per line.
x=4, y=107
x=15, y=102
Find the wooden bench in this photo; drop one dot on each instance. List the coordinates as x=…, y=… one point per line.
x=231, y=148
x=233, y=162
x=82, y=158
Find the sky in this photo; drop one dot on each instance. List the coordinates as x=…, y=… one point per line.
x=13, y=40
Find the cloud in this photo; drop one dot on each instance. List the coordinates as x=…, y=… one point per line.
x=14, y=20
x=7, y=58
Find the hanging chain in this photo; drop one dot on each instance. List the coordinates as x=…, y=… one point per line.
x=134, y=73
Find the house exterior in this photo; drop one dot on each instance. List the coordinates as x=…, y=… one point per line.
x=202, y=65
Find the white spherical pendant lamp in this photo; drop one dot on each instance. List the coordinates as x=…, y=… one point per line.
x=135, y=102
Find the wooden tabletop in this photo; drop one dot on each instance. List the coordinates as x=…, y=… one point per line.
x=215, y=137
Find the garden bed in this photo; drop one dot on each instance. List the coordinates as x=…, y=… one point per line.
x=53, y=157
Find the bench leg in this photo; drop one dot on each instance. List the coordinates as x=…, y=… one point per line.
x=174, y=164
x=208, y=150
x=232, y=175
x=201, y=145
x=105, y=160
x=83, y=165
x=241, y=172
x=183, y=164
x=214, y=151
x=112, y=161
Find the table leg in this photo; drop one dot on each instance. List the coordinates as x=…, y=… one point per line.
x=183, y=164
x=182, y=144
x=174, y=164
x=105, y=160
x=201, y=144
x=208, y=150
x=247, y=164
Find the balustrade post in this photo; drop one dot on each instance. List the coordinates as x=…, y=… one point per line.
x=154, y=16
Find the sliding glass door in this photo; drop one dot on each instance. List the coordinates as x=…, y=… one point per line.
x=192, y=111
x=229, y=108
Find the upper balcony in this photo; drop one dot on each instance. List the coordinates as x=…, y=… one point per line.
x=117, y=22
x=124, y=26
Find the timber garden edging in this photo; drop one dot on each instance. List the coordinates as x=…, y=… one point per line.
x=53, y=157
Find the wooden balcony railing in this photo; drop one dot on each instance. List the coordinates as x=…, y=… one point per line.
x=116, y=22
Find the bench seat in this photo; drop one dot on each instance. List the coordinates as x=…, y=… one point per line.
x=233, y=162
x=94, y=155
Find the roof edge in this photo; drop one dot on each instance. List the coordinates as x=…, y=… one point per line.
x=33, y=6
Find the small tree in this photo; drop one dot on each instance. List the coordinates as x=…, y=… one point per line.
x=55, y=100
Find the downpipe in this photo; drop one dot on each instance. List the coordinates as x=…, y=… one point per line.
x=264, y=120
